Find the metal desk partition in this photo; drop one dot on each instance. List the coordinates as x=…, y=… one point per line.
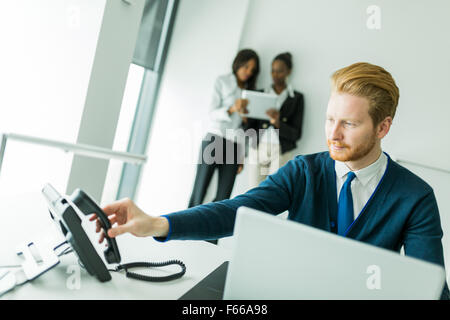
x=80, y=149
x=421, y=165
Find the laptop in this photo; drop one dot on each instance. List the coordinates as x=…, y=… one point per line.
x=281, y=259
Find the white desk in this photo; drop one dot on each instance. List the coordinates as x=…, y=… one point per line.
x=26, y=218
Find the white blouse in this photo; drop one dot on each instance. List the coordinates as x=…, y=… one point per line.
x=225, y=93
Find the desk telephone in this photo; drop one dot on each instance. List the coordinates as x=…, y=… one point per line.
x=62, y=210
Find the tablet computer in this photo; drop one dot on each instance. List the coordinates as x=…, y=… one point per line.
x=259, y=103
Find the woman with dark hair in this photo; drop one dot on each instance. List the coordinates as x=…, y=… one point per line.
x=277, y=137
x=219, y=149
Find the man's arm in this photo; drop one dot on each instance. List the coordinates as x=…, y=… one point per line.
x=209, y=221
x=216, y=219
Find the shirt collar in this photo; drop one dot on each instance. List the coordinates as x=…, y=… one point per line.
x=364, y=175
x=288, y=89
x=232, y=80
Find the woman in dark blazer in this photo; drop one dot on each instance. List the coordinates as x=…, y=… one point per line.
x=276, y=138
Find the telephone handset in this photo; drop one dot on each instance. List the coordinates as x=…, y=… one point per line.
x=62, y=211
x=88, y=206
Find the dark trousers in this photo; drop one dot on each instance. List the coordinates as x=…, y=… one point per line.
x=216, y=153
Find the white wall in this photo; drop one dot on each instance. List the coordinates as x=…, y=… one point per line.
x=204, y=42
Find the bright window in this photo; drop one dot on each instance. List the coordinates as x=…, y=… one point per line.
x=47, y=53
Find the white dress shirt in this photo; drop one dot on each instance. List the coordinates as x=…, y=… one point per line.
x=225, y=93
x=270, y=135
x=365, y=183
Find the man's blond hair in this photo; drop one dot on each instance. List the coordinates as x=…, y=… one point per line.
x=372, y=82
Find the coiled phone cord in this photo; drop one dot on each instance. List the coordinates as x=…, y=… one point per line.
x=137, y=276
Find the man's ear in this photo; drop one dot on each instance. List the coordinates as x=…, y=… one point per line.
x=384, y=127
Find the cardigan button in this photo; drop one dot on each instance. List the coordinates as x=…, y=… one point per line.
x=332, y=224
x=284, y=119
x=265, y=125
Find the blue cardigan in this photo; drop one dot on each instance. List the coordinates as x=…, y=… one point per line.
x=401, y=211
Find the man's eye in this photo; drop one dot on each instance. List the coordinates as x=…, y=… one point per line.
x=349, y=124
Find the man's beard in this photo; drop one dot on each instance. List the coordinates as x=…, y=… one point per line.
x=352, y=153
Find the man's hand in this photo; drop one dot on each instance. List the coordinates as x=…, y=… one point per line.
x=129, y=218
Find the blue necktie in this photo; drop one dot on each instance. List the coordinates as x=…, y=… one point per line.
x=345, y=205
